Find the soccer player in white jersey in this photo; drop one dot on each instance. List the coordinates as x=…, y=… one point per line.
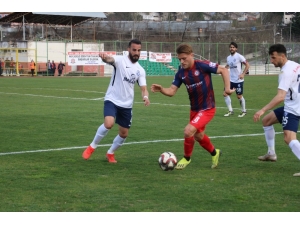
x=234, y=63
x=289, y=114
x=119, y=98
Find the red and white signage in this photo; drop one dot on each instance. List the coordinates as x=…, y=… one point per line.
x=86, y=58
x=160, y=57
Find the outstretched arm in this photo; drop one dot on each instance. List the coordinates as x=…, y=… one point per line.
x=274, y=102
x=165, y=91
x=106, y=58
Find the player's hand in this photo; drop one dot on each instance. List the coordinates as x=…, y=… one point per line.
x=229, y=91
x=257, y=115
x=241, y=76
x=146, y=101
x=156, y=88
x=106, y=58
x=103, y=55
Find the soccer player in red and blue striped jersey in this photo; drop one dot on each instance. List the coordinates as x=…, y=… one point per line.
x=195, y=75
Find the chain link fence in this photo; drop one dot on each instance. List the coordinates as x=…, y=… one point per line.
x=43, y=51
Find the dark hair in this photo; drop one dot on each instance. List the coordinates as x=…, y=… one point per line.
x=279, y=48
x=184, y=48
x=135, y=41
x=234, y=44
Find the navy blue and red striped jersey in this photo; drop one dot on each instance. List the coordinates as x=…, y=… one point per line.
x=198, y=83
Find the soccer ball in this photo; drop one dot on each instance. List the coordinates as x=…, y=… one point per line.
x=167, y=161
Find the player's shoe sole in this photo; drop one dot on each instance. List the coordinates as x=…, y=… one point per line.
x=88, y=152
x=182, y=164
x=267, y=157
x=296, y=175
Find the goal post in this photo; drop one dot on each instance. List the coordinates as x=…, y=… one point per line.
x=16, y=61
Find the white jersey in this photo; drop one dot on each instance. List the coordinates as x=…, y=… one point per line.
x=289, y=81
x=121, y=87
x=235, y=65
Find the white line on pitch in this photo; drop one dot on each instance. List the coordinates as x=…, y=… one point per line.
x=56, y=89
x=127, y=143
x=49, y=96
x=97, y=99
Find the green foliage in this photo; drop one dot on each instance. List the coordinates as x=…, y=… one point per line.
x=124, y=16
x=196, y=16
x=47, y=122
x=296, y=24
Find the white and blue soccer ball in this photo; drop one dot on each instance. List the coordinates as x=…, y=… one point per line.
x=167, y=161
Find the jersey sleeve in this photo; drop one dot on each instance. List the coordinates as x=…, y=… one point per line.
x=117, y=59
x=210, y=67
x=284, y=81
x=177, y=81
x=142, y=77
x=243, y=59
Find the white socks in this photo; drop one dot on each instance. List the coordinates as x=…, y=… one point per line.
x=295, y=146
x=100, y=134
x=228, y=102
x=118, y=142
x=243, y=104
x=270, y=139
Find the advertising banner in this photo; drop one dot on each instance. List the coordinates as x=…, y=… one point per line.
x=86, y=58
x=160, y=57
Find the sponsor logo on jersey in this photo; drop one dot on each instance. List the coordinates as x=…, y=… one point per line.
x=197, y=73
x=213, y=65
x=131, y=80
x=194, y=85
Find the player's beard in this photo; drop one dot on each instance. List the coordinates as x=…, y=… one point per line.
x=134, y=58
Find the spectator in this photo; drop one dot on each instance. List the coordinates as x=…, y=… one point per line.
x=1, y=67
x=20, y=69
x=48, y=65
x=60, y=68
x=12, y=66
x=7, y=66
x=53, y=67
x=32, y=67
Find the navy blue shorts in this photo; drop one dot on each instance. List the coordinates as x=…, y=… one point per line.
x=288, y=120
x=239, y=87
x=123, y=116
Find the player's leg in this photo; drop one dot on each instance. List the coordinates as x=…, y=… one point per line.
x=203, y=139
x=290, y=124
x=188, y=144
x=109, y=120
x=124, y=119
x=271, y=118
x=227, y=100
x=239, y=94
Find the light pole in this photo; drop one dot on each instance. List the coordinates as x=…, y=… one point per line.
x=274, y=32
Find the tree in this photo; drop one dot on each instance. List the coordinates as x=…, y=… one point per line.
x=124, y=16
x=272, y=17
x=196, y=16
x=295, y=29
